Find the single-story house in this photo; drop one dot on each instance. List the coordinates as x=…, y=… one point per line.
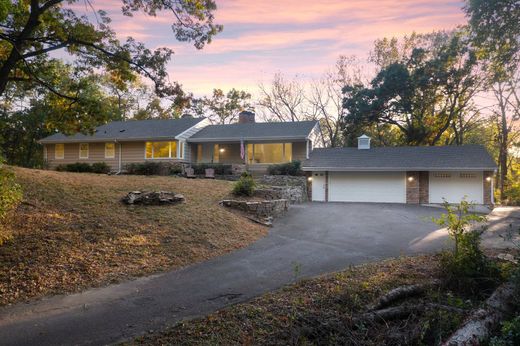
x=188, y=140
x=417, y=175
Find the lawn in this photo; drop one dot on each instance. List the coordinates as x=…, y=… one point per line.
x=326, y=310
x=72, y=232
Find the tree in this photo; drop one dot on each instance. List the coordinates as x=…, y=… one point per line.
x=222, y=108
x=495, y=34
x=423, y=93
x=34, y=28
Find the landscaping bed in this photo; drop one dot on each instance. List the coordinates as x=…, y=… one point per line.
x=72, y=232
x=332, y=310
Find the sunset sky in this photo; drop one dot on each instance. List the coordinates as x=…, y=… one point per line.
x=295, y=37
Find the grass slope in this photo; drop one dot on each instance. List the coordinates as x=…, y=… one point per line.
x=72, y=232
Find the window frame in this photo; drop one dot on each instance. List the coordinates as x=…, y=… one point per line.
x=56, y=157
x=88, y=151
x=172, y=152
x=108, y=156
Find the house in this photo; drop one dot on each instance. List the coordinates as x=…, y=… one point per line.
x=248, y=144
x=416, y=175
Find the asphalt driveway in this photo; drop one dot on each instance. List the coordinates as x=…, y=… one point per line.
x=311, y=239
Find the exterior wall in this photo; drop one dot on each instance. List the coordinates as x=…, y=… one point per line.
x=413, y=187
x=488, y=187
x=71, y=155
x=131, y=152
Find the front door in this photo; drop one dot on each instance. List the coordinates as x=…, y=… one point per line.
x=318, y=186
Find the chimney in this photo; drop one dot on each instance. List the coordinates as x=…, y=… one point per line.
x=363, y=142
x=246, y=117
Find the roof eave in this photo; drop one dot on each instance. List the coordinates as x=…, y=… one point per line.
x=394, y=169
x=238, y=139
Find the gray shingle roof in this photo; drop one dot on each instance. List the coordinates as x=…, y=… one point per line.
x=254, y=131
x=467, y=157
x=130, y=130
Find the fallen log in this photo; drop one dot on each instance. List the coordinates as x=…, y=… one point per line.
x=482, y=322
x=401, y=293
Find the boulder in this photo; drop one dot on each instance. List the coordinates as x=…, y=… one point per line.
x=153, y=198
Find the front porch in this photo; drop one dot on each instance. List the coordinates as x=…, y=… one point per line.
x=257, y=155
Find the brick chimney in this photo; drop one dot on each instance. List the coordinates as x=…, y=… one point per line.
x=246, y=117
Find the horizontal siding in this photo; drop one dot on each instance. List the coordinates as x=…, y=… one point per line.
x=299, y=151
x=96, y=154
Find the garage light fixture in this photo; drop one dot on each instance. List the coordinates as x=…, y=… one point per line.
x=488, y=179
x=222, y=150
x=309, y=178
x=410, y=178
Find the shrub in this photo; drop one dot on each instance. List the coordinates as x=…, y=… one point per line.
x=466, y=268
x=100, y=167
x=79, y=167
x=10, y=197
x=245, y=186
x=290, y=168
x=145, y=168
x=220, y=169
x=509, y=334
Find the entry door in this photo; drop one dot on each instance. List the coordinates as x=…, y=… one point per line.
x=318, y=186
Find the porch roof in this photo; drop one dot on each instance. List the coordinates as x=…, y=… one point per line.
x=297, y=130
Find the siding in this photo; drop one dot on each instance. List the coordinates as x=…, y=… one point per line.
x=96, y=154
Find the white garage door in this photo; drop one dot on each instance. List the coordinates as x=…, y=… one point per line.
x=386, y=187
x=453, y=186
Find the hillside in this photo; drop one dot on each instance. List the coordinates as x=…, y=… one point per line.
x=71, y=231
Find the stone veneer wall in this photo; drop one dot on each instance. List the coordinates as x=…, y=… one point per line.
x=424, y=187
x=295, y=194
x=412, y=187
x=487, y=186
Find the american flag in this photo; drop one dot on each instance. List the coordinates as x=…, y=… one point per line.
x=242, y=149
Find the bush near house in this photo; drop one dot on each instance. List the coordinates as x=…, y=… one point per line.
x=154, y=168
x=83, y=167
x=245, y=186
x=290, y=168
x=10, y=197
x=220, y=169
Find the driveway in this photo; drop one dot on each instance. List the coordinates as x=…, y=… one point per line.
x=311, y=239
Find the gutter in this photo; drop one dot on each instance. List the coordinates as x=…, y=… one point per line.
x=237, y=139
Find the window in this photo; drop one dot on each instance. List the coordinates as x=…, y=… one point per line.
x=468, y=175
x=110, y=150
x=59, y=151
x=442, y=175
x=83, y=150
x=161, y=150
x=269, y=153
x=216, y=153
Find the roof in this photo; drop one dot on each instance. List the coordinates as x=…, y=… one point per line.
x=130, y=130
x=255, y=131
x=466, y=157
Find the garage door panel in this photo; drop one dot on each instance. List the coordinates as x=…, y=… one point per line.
x=386, y=187
x=454, y=186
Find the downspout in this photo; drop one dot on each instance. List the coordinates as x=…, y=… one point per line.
x=119, y=158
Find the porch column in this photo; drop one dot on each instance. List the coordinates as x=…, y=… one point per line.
x=307, y=148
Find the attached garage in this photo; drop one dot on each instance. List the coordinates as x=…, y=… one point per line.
x=456, y=185
x=415, y=175
x=388, y=187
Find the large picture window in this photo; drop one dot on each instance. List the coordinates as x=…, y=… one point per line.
x=269, y=153
x=161, y=150
x=59, y=151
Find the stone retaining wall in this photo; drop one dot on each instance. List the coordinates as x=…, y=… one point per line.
x=286, y=187
x=261, y=211
x=294, y=194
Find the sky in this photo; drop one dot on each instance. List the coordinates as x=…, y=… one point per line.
x=295, y=37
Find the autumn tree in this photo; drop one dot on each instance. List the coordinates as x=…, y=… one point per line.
x=423, y=91
x=32, y=29
x=222, y=107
